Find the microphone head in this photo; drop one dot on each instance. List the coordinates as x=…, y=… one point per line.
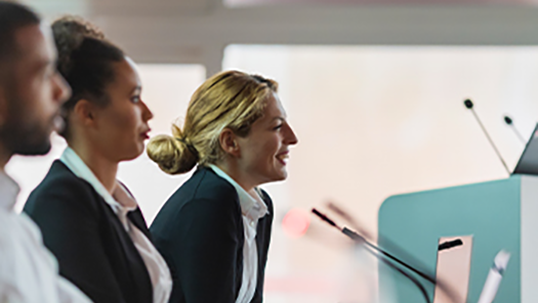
x=324, y=218
x=508, y=120
x=468, y=103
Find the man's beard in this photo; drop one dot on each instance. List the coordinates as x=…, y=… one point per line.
x=20, y=134
x=25, y=139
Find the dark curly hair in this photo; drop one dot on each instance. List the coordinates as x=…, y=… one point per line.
x=85, y=60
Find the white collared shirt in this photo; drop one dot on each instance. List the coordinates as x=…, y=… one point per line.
x=28, y=270
x=253, y=209
x=121, y=203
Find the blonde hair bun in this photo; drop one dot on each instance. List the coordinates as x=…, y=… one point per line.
x=171, y=154
x=230, y=99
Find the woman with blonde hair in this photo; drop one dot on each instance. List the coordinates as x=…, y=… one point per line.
x=89, y=220
x=214, y=231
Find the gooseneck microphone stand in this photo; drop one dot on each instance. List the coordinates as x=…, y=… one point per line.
x=386, y=258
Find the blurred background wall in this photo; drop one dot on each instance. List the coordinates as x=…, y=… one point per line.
x=374, y=91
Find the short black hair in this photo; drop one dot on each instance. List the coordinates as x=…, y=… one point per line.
x=13, y=16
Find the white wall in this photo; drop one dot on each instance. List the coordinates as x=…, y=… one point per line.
x=378, y=121
x=197, y=31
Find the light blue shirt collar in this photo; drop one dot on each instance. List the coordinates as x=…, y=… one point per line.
x=121, y=202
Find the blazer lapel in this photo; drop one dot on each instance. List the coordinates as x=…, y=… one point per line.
x=142, y=289
x=137, y=219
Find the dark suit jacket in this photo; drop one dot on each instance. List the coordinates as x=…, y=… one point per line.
x=199, y=232
x=92, y=247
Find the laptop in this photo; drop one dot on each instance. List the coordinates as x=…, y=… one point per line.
x=528, y=163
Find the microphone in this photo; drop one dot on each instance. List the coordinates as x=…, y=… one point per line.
x=469, y=104
x=324, y=218
x=510, y=123
x=358, y=238
x=372, y=249
x=348, y=218
x=385, y=256
x=393, y=247
x=450, y=244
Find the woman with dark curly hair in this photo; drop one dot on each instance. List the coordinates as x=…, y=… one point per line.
x=89, y=220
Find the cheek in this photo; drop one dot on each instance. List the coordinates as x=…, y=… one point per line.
x=118, y=135
x=42, y=87
x=37, y=98
x=123, y=121
x=111, y=133
x=32, y=91
x=260, y=150
x=268, y=149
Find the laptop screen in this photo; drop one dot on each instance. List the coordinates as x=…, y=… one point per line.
x=528, y=163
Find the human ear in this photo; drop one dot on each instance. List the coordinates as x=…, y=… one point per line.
x=228, y=142
x=84, y=112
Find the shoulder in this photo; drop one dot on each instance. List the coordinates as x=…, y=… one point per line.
x=206, y=186
x=11, y=228
x=205, y=197
x=13, y=254
x=60, y=178
x=60, y=187
x=19, y=238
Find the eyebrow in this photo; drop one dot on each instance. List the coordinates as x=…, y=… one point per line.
x=42, y=65
x=46, y=62
x=278, y=118
x=137, y=88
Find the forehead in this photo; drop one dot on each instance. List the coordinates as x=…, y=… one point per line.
x=126, y=73
x=274, y=108
x=34, y=45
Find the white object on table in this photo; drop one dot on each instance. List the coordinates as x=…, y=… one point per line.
x=494, y=277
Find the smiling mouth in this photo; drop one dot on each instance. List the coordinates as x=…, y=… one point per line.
x=283, y=158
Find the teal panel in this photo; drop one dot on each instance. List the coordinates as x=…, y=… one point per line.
x=489, y=211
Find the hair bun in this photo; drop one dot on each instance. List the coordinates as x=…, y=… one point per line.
x=171, y=154
x=69, y=33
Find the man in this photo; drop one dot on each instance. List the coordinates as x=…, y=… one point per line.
x=31, y=93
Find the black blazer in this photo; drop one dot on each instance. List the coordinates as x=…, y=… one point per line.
x=92, y=247
x=199, y=232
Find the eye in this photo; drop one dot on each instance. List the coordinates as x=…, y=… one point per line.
x=278, y=127
x=135, y=99
x=49, y=72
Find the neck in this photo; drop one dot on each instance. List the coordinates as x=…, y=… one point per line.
x=5, y=155
x=238, y=176
x=104, y=169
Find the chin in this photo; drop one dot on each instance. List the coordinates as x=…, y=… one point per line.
x=132, y=155
x=138, y=150
x=33, y=149
x=280, y=176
